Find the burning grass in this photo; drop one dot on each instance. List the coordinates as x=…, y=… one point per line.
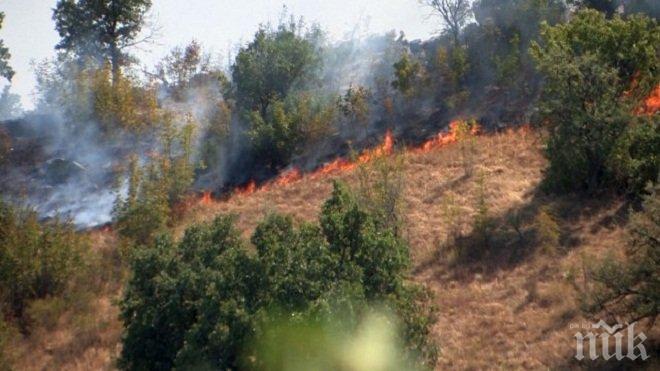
x=457, y=130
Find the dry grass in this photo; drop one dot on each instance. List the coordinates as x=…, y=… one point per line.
x=496, y=313
x=85, y=333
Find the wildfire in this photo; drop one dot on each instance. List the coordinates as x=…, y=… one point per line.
x=652, y=102
x=457, y=129
x=247, y=189
x=342, y=164
x=288, y=177
x=207, y=198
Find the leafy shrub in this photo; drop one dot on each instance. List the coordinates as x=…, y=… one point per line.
x=354, y=105
x=596, y=71
x=406, y=73
x=119, y=102
x=86, y=92
x=547, y=230
x=287, y=126
x=380, y=191
x=200, y=302
x=155, y=187
x=635, y=159
x=36, y=259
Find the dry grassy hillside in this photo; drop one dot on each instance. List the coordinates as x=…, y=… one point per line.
x=511, y=308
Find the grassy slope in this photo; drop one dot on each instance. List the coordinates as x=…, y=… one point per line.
x=498, y=312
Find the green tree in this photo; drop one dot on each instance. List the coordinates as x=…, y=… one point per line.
x=5, y=70
x=596, y=71
x=274, y=63
x=200, y=302
x=354, y=105
x=406, y=73
x=287, y=127
x=10, y=104
x=100, y=30
x=189, y=67
x=155, y=187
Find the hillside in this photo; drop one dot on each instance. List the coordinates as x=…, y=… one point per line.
x=513, y=309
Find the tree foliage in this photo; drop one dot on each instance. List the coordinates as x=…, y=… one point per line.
x=155, y=187
x=275, y=62
x=213, y=297
x=596, y=71
x=36, y=259
x=287, y=126
x=406, y=73
x=100, y=30
x=454, y=13
x=5, y=69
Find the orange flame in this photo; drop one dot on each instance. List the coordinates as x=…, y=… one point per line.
x=288, y=177
x=207, y=198
x=247, y=189
x=444, y=138
x=651, y=103
x=341, y=164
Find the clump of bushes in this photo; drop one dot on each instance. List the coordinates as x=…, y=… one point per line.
x=37, y=259
x=156, y=186
x=596, y=72
x=201, y=301
x=287, y=126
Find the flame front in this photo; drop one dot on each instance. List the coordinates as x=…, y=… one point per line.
x=247, y=189
x=342, y=164
x=386, y=148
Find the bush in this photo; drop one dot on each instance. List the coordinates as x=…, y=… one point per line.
x=406, y=73
x=155, y=187
x=200, y=302
x=286, y=128
x=596, y=71
x=547, y=230
x=36, y=259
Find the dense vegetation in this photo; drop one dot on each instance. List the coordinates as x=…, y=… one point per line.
x=597, y=71
x=200, y=301
x=37, y=260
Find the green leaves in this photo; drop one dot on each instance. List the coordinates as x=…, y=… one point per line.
x=595, y=73
x=269, y=67
x=99, y=30
x=36, y=259
x=5, y=70
x=197, y=303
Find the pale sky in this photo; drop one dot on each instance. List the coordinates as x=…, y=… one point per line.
x=29, y=32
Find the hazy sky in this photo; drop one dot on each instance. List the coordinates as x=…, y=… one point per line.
x=218, y=24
